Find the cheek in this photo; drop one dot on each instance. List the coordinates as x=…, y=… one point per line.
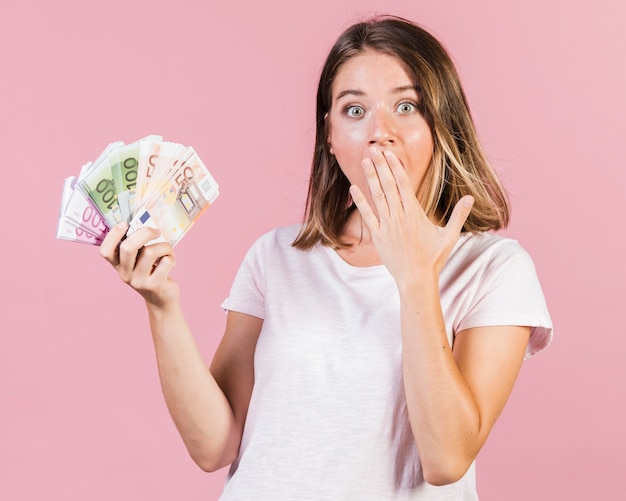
x=345, y=134
x=346, y=138
x=344, y=146
x=347, y=147
x=420, y=154
x=421, y=145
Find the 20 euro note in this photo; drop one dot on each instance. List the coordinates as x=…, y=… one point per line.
x=185, y=194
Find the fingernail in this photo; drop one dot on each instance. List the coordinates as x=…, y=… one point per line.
x=123, y=225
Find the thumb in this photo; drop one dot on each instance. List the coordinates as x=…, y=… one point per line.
x=110, y=244
x=460, y=213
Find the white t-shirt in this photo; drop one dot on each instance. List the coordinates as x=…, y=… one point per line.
x=328, y=418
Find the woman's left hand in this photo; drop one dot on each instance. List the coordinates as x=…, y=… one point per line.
x=406, y=240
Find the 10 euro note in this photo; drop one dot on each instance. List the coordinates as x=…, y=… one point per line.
x=184, y=195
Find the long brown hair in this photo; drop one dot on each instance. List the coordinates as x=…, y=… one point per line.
x=458, y=167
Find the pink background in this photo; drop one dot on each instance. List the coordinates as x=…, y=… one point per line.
x=80, y=405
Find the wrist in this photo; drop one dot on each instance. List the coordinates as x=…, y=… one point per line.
x=164, y=298
x=160, y=309
x=419, y=283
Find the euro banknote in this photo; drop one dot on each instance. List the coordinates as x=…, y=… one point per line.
x=149, y=182
x=124, y=171
x=80, y=220
x=186, y=191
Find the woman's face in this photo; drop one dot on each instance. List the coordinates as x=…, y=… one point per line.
x=375, y=104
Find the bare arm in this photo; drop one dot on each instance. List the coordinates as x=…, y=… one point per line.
x=209, y=417
x=208, y=407
x=453, y=399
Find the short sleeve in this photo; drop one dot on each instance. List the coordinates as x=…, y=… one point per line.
x=509, y=293
x=247, y=293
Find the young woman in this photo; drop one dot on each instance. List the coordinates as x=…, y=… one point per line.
x=369, y=351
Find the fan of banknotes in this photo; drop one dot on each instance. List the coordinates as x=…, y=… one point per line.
x=150, y=182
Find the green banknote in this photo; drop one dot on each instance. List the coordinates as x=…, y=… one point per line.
x=99, y=186
x=124, y=170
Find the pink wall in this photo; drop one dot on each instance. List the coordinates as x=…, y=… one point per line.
x=81, y=411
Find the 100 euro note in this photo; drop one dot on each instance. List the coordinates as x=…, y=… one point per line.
x=186, y=193
x=99, y=186
x=125, y=171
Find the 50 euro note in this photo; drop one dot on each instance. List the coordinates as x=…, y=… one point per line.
x=188, y=190
x=157, y=159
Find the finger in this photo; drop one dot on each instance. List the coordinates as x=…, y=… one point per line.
x=364, y=208
x=459, y=215
x=110, y=244
x=129, y=250
x=150, y=257
x=373, y=182
x=386, y=178
x=403, y=182
x=162, y=268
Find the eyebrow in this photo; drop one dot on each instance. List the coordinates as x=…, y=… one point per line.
x=356, y=92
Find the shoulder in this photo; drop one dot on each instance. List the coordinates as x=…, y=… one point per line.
x=491, y=280
x=261, y=264
x=273, y=246
x=278, y=238
x=490, y=266
x=487, y=242
x=488, y=252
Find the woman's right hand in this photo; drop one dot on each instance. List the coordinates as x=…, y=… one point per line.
x=145, y=268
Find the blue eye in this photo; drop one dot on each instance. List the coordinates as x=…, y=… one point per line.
x=406, y=107
x=354, y=111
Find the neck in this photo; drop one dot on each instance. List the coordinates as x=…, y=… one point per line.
x=356, y=231
x=362, y=252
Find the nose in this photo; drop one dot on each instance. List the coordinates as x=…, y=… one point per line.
x=382, y=129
